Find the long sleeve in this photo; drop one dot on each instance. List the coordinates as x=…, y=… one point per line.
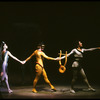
x=68, y=54
x=91, y=49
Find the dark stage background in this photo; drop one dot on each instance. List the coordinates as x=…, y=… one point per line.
x=58, y=24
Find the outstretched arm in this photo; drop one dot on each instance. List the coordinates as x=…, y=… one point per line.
x=13, y=57
x=68, y=54
x=49, y=58
x=91, y=49
x=29, y=57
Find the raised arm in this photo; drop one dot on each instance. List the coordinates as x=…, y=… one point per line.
x=13, y=57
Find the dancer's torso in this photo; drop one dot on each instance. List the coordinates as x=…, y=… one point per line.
x=5, y=58
x=39, y=58
x=78, y=57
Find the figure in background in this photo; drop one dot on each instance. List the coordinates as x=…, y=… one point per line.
x=77, y=65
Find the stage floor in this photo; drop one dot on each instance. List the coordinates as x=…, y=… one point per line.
x=44, y=92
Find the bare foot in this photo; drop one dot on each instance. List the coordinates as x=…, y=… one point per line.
x=34, y=90
x=72, y=91
x=10, y=91
x=91, y=89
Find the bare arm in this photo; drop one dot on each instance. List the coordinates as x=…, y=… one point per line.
x=23, y=62
x=29, y=57
x=49, y=58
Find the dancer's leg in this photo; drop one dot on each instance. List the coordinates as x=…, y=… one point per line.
x=75, y=72
x=86, y=80
x=38, y=74
x=47, y=80
x=7, y=84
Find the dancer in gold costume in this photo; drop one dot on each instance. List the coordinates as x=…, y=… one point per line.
x=39, y=68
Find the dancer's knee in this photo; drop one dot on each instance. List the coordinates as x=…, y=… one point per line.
x=74, y=79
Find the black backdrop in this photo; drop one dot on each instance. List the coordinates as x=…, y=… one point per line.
x=58, y=24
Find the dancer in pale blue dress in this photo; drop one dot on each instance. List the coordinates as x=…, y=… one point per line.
x=5, y=57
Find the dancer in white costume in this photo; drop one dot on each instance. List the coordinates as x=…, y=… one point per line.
x=77, y=65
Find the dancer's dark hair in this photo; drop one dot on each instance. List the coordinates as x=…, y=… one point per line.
x=1, y=48
x=41, y=44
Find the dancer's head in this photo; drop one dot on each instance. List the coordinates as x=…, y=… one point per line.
x=3, y=45
x=41, y=46
x=79, y=44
